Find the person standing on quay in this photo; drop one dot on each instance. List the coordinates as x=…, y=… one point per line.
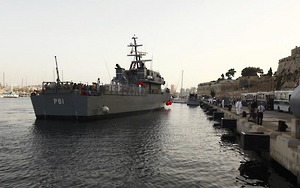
x=238, y=106
x=260, y=113
x=253, y=106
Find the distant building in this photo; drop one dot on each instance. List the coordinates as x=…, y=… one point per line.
x=173, y=89
x=182, y=92
x=193, y=90
x=187, y=91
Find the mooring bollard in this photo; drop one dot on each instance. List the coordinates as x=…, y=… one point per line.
x=218, y=115
x=256, y=141
x=207, y=108
x=229, y=123
x=229, y=108
x=282, y=126
x=211, y=111
x=202, y=104
x=244, y=114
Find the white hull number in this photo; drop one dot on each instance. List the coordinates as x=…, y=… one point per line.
x=58, y=101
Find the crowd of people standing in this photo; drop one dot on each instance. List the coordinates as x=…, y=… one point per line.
x=255, y=110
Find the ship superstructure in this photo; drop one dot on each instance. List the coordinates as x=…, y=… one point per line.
x=138, y=74
x=133, y=90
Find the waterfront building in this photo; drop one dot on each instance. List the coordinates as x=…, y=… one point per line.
x=173, y=89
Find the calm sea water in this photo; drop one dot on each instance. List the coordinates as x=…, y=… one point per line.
x=174, y=147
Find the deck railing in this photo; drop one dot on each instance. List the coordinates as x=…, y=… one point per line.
x=92, y=90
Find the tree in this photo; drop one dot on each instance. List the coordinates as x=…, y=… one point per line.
x=212, y=93
x=228, y=76
x=270, y=73
x=251, y=71
x=222, y=76
x=230, y=73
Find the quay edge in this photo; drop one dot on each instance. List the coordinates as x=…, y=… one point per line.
x=284, y=146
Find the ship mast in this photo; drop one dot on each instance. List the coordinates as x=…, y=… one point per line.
x=138, y=55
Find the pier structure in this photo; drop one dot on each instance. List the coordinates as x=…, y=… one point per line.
x=284, y=146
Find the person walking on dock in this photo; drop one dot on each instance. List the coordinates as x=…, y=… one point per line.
x=260, y=113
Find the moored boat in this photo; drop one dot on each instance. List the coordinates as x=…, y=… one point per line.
x=133, y=90
x=10, y=95
x=193, y=100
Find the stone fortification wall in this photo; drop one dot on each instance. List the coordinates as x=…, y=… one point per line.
x=296, y=51
x=234, y=88
x=288, y=72
x=256, y=84
x=287, y=78
x=221, y=88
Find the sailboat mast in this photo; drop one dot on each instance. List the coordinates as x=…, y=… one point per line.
x=12, y=82
x=4, y=80
x=181, y=84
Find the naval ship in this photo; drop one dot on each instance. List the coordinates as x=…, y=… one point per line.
x=130, y=91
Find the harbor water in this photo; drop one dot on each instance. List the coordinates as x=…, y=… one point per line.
x=173, y=147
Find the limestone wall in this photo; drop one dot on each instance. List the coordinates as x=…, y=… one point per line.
x=288, y=72
x=234, y=88
x=287, y=78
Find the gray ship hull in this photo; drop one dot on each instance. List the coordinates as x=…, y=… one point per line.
x=74, y=106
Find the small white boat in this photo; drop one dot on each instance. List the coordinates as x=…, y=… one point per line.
x=10, y=95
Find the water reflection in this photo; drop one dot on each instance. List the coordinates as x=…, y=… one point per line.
x=108, y=149
x=255, y=173
x=229, y=138
x=253, y=170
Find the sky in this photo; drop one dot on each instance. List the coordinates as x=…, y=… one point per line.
x=204, y=38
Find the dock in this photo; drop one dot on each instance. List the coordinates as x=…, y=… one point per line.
x=284, y=146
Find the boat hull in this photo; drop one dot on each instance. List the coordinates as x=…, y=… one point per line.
x=193, y=103
x=73, y=106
